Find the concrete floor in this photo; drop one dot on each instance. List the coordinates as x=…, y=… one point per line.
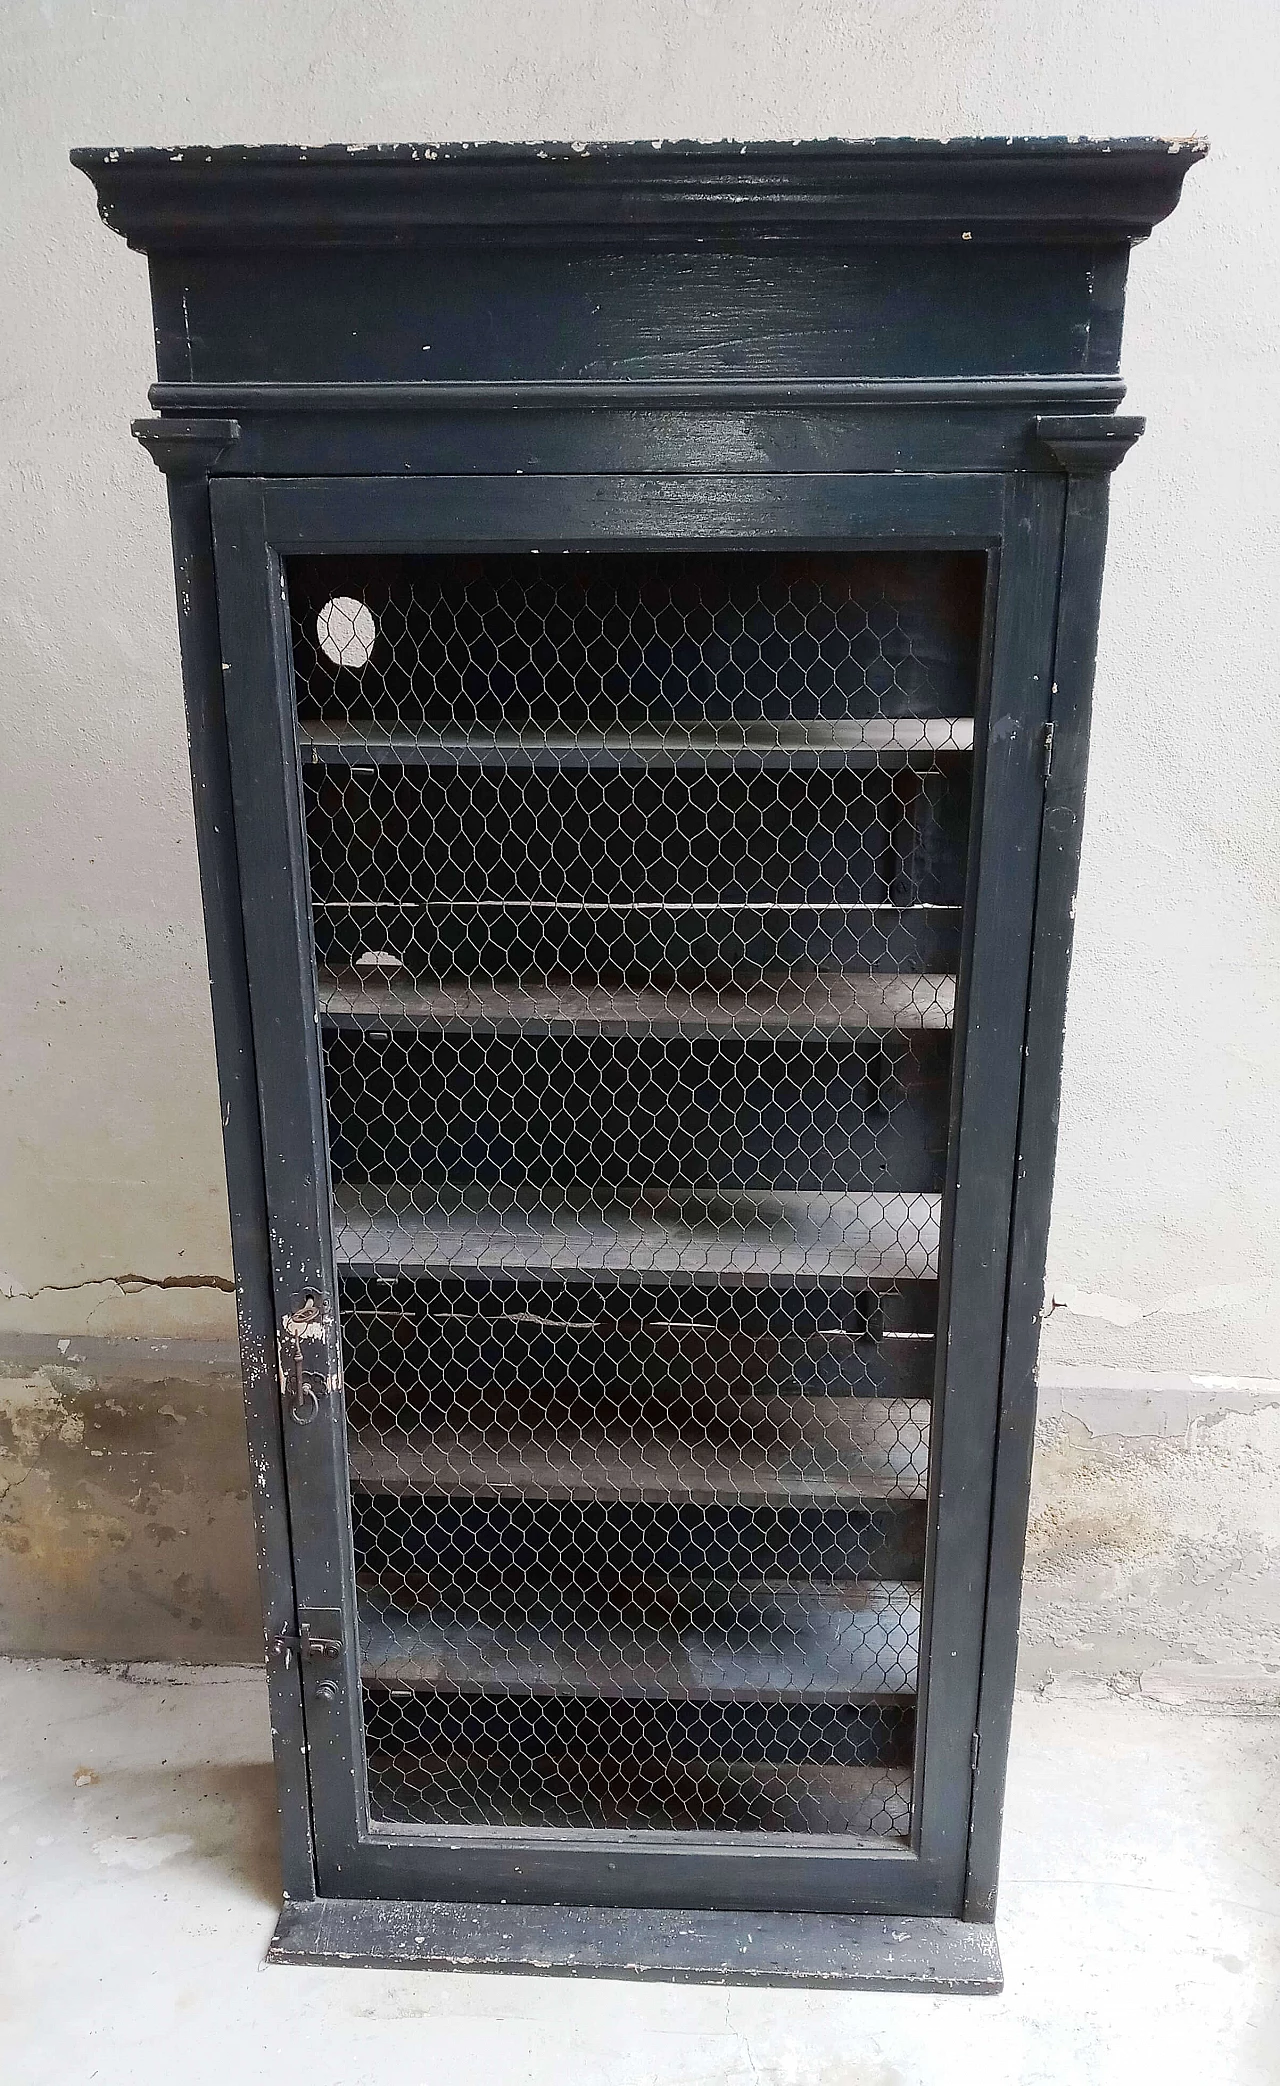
x=1140, y=1923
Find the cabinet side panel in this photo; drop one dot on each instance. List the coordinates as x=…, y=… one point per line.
x=242, y=1144
x=991, y=1026
x=1079, y=594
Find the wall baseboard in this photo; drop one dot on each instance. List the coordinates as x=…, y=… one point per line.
x=125, y=1523
x=126, y=1533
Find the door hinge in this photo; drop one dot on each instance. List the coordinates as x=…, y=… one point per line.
x=975, y=1747
x=306, y=1643
x=1048, y=750
x=300, y=1387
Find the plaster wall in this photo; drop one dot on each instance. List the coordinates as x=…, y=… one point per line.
x=112, y=1204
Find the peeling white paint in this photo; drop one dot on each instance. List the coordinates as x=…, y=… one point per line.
x=1185, y=1303
x=305, y=1328
x=1116, y=1310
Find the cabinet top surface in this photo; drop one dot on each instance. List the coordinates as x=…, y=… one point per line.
x=895, y=187
x=848, y=150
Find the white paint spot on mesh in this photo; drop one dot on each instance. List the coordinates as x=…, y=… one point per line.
x=346, y=631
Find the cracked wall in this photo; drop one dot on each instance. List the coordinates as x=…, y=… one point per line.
x=1169, y=1176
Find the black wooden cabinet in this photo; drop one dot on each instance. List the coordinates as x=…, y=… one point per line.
x=637, y=617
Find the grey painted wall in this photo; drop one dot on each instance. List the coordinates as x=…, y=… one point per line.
x=112, y=1214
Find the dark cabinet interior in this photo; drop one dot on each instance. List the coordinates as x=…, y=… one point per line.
x=636, y=894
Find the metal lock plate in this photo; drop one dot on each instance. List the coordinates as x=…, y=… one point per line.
x=307, y=1642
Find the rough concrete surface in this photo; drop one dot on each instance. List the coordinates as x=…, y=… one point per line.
x=1139, y=1923
x=1154, y=1536
x=125, y=1521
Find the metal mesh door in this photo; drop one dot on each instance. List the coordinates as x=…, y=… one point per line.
x=637, y=887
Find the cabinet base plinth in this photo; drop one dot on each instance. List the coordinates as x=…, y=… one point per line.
x=841, y=1952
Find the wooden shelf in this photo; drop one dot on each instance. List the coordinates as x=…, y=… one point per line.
x=784, y=1004
x=838, y=1644
x=725, y=1237
x=829, y=1453
x=870, y=1802
x=867, y=741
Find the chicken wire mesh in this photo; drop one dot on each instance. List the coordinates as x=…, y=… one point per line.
x=637, y=888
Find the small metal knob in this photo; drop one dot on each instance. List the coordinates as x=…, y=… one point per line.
x=328, y=1691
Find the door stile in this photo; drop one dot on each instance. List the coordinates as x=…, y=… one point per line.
x=272, y=848
x=987, y=1080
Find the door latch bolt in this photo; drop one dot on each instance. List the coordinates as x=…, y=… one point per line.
x=307, y=1645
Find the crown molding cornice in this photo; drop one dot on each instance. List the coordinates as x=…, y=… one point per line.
x=878, y=190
